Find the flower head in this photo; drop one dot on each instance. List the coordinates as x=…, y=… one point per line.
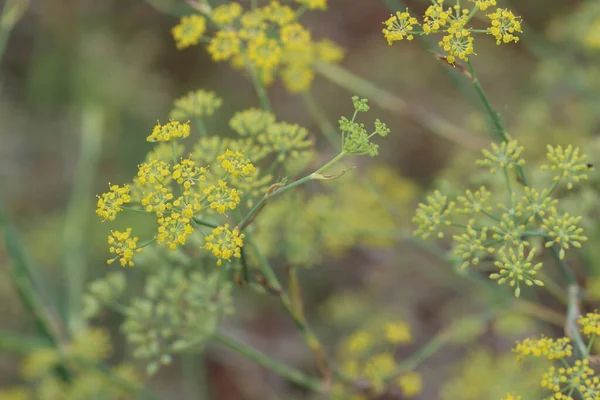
x=436, y=17
x=169, y=131
x=199, y=103
x=515, y=268
x=110, y=203
x=507, y=155
x=236, y=164
x=552, y=349
x=226, y=14
x=124, y=247
x=397, y=332
x=189, y=31
x=472, y=245
x=174, y=229
x=564, y=231
x=410, y=383
x=224, y=45
x=224, y=243
x=399, y=27
x=432, y=215
x=221, y=197
x=590, y=324
x=484, y=4
x=568, y=164
x=504, y=26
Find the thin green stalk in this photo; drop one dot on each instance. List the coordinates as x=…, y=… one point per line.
x=325, y=125
x=282, y=370
x=299, y=320
x=261, y=203
x=280, y=190
x=11, y=13
x=80, y=206
x=19, y=344
x=22, y=279
x=573, y=312
x=388, y=101
x=330, y=163
x=260, y=89
x=201, y=127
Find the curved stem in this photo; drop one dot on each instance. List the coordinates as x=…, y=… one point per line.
x=283, y=370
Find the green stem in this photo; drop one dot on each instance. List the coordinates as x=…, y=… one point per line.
x=325, y=125
x=283, y=370
x=201, y=127
x=571, y=323
x=261, y=203
x=388, y=101
x=22, y=279
x=80, y=206
x=330, y=163
x=497, y=124
x=277, y=191
x=298, y=319
x=260, y=89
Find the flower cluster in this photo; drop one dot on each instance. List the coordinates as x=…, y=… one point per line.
x=572, y=375
x=368, y=355
x=89, y=346
x=268, y=41
x=503, y=232
x=452, y=21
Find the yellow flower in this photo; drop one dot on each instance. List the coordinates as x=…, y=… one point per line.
x=590, y=324
x=484, y=4
x=265, y=53
x=170, y=130
x=226, y=14
x=504, y=25
x=544, y=347
x=153, y=172
x=458, y=43
x=436, y=17
x=174, y=229
x=314, y=4
x=199, y=103
x=279, y=14
x=123, y=246
x=235, y=164
x=399, y=27
x=297, y=78
x=109, y=204
x=186, y=173
x=329, y=51
x=221, y=197
x=224, y=45
x=92, y=344
x=377, y=369
x=410, y=383
x=189, y=31
x=358, y=343
x=294, y=36
x=397, y=332
x=224, y=243
x=39, y=362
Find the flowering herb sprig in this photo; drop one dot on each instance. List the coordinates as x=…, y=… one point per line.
x=268, y=41
x=452, y=22
x=568, y=376
x=502, y=232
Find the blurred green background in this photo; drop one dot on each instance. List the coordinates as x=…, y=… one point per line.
x=83, y=83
